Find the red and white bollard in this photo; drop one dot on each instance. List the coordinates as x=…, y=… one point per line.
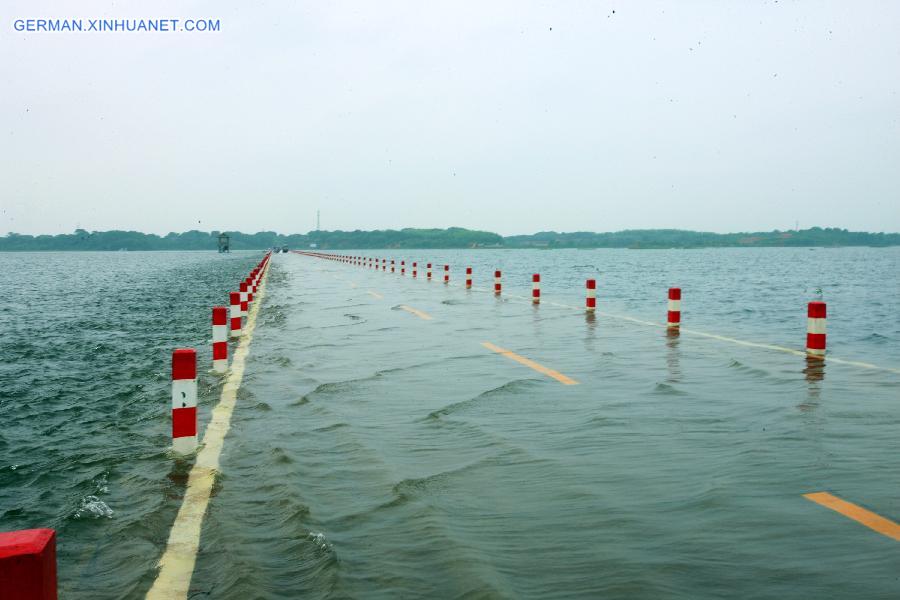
x=184, y=400
x=403, y=267
x=428, y=273
x=243, y=293
x=815, y=330
x=384, y=265
x=497, y=285
x=235, y=314
x=392, y=265
x=446, y=273
x=415, y=273
x=536, y=288
x=590, y=302
x=674, y=320
x=468, y=278
x=220, y=339
x=28, y=564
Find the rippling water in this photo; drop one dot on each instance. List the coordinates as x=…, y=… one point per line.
x=375, y=454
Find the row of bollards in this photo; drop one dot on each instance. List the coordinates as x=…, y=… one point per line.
x=816, y=311
x=28, y=557
x=184, y=360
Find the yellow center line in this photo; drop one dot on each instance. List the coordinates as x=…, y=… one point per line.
x=422, y=315
x=857, y=513
x=531, y=364
x=178, y=560
x=375, y=294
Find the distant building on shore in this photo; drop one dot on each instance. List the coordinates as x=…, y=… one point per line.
x=224, y=243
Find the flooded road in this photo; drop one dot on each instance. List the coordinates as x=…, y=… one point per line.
x=402, y=438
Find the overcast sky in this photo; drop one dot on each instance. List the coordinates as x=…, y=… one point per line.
x=513, y=117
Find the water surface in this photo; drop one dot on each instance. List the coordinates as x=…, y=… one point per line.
x=375, y=454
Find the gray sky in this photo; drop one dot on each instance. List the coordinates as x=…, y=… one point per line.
x=513, y=117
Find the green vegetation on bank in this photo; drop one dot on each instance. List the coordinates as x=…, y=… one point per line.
x=454, y=237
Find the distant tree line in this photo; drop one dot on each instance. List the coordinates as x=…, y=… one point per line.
x=454, y=237
x=677, y=238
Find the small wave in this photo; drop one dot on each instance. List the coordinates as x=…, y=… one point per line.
x=515, y=386
x=333, y=387
x=667, y=390
x=332, y=427
x=281, y=457
x=320, y=542
x=736, y=364
x=876, y=338
x=92, y=506
x=282, y=361
x=406, y=489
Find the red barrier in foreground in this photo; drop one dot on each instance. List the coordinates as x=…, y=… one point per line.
x=28, y=565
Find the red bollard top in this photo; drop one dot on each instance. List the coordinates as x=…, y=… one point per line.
x=674, y=293
x=496, y=273
x=235, y=298
x=184, y=363
x=24, y=541
x=536, y=278
x=468, y=270
x=28, y=564
x=816, y=310
x=243, y=287
x=591, y=284
x=220, y=315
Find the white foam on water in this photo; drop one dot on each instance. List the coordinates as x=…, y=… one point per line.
x=320, y=541
x=92, y=506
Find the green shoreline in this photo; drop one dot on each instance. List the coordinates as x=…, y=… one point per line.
x=453, y=237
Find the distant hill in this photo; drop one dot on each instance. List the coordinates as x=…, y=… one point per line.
x=454, y=237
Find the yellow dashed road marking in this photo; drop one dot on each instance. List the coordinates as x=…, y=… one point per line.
x=531, y=364
x=422, y=315
x=857, y=513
